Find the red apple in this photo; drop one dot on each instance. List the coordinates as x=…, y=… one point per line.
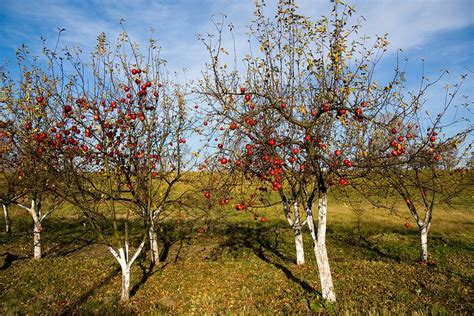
x=325, y=107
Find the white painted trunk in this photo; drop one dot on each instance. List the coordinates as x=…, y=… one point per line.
x=298, y=236
x=37, y=239
x=424, y=243
x=153, y=237
x=325, y=276
x=122, y=256
x=299, y=246
x=320, y=251
x=8, y=228
x=125, y=294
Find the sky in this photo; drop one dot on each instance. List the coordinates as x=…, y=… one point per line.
x=440, y=32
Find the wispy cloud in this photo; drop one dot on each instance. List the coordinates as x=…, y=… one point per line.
x=413, y=26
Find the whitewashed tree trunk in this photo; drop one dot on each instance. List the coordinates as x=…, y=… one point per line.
x=153, y=237
x=8, y=228
x=297, y=229
x=320, y=251
x=35, y=212
x=38, y=217
x=37, y=227
x=424, y=242
x=122, y=256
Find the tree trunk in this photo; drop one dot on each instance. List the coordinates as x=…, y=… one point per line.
x=320, y=251
x=325, y=277
x=153, y=237
x=125, y=294
x=37, y=238
x=424, y=243
x=298, y=236
x=8, y=228
x=122, y=256
x=299, y=246
x=327, y=286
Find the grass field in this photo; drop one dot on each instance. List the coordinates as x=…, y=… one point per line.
x=245, y=266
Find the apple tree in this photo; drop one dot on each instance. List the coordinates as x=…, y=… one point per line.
x=27, y=136
x=297, y=115
x=121, y=128
x=416, y=155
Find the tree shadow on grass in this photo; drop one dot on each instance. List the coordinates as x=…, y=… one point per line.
x=168, y=237
x=264, y=243
x=369, y=249
x=85, y=296
x=8, y=259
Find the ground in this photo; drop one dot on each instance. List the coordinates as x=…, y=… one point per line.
x=243, y=265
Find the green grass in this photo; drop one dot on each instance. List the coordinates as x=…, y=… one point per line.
x=245, y=266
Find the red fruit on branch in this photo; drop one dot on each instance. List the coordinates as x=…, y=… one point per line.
x=341, y=112
x=325, y=107
x=394, y=130
x=347, y=163
x=207, y=195
x=338, y=152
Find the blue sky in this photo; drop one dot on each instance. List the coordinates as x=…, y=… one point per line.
x=440, y=31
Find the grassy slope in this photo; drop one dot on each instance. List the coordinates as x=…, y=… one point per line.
x=247, y=266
